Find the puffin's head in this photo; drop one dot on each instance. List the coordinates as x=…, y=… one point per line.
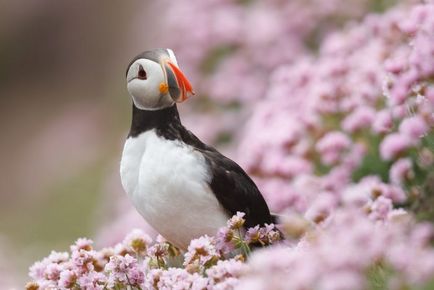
x=155, y=80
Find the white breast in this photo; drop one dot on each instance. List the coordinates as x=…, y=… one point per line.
x=167, y=181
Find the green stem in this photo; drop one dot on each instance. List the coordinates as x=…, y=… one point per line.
x=128, y=280
x=159, y=263
x=244, y=247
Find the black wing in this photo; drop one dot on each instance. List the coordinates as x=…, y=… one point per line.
x=233, y=188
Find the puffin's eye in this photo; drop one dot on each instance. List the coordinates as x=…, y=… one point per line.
x=142, y=73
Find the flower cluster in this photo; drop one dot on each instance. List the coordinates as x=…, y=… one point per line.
x=346, y=251
x=140, y=263
x=352, y=123
x=231, y=46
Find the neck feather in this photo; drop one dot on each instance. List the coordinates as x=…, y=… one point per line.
x=144, y=120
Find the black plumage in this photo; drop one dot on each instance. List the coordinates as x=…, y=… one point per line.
x=233, y=188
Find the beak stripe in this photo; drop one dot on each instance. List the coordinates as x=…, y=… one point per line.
x=183, y=83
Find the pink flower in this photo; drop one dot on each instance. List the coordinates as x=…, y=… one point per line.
x=201, y=250
x=67, y=279
x=237, y=221
x=253, y=235
x=358, y=194
x=393, y=192
x=82, y=261
x=361, y=118
x=381, y=208
x=225, y=270
x=121, y=268
x=136, y=276
x=399, y=94
x=321, y=207
x=92, y=281
x=414, y=127
x=400, y=171
x=225, y=240
x=174, y=278
x=422, y=234
x=82, y=244
x=393, y=145
x=394, y=66
x=429, y=94
x=58, y=257
x=52, y=272
x=383, y=122
x=289, y=166
x=159, y=250
x=37, y=270
x=342, y=280
x=137, y=241
x=332, y=145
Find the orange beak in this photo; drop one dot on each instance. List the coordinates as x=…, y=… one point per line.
x=183, y=83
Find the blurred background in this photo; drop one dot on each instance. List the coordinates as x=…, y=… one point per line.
x=65, y=111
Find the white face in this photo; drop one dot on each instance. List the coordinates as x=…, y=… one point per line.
x=144, y=79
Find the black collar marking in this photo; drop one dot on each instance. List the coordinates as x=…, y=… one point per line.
x=166, y=122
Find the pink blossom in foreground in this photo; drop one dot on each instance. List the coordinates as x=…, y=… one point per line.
x=394, y=145
x=342, y=250
x=201, y=251
x=414, y=127
x=140, y=263
x=383, y=122
x=137, y=241
x=342, y=254
x=362, y=117
x=332, y=145
x=401, y=171
x=124, y=270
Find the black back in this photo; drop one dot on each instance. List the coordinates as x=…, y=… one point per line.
x=233, y=188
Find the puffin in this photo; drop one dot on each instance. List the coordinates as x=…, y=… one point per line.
x=181, y=186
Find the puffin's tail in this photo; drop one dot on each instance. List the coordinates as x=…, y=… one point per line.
x=275, y=218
